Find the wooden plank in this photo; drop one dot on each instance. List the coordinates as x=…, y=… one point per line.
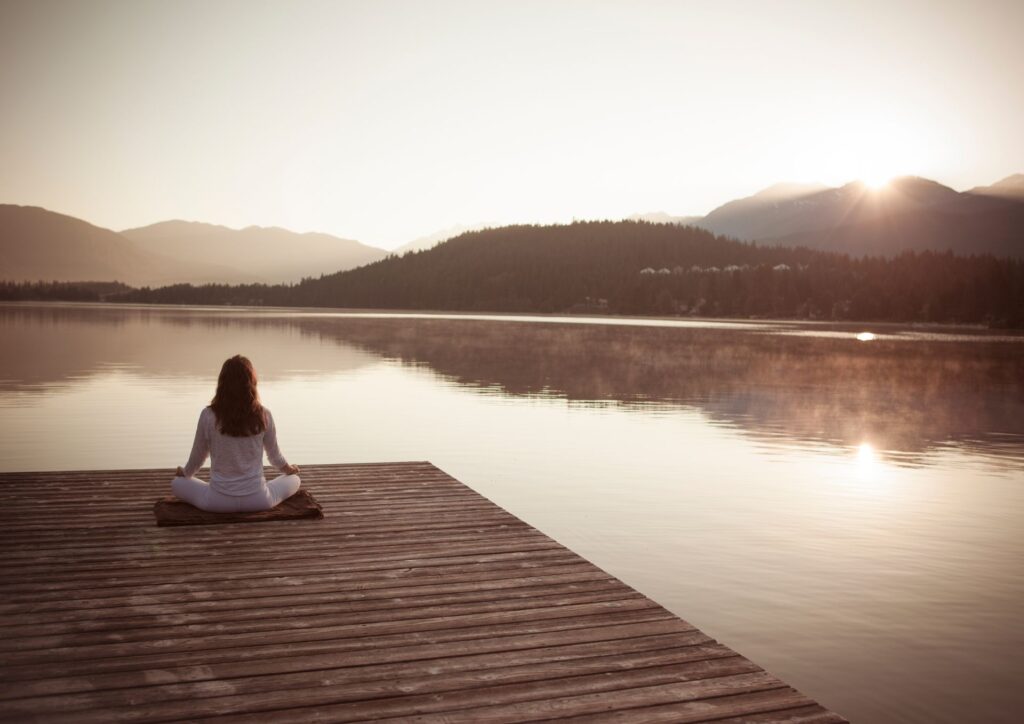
x=414, y=599
x=397, y=559
x=121, y=546
x=136, y=623
x=283, y=532
x=113, y=502
x=813, y=714
x=332, y=670
x=163, y=627
x=624, y=627
x=235, y=594
x=371, y=682
x=550, y=699
x=437, y=617
x=130, y=514
x=384, y=568
x=324, y=544
x=158, y=569
x=765, y=706
x=492, y=567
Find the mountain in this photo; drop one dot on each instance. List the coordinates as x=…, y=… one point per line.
x=909, y=213
x=760, y=215
x=37, y=244
x=431, y=240
x=999, y=232
x=787, y=209
x=269, y=254
x=1011, y=187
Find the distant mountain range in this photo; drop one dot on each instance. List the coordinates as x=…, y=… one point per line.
x=908, y=213
x=1011, y=187
x=36, y=244
x=256, y=253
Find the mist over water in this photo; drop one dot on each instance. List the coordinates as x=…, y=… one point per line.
x=846, y=513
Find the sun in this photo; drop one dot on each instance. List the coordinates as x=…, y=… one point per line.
x=876, y=182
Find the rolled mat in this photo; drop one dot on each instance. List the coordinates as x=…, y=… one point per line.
x=173, y=511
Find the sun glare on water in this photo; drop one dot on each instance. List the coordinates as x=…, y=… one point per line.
x=867, y=465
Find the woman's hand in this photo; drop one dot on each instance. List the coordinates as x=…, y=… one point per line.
x=179, y=472
x=290, y=469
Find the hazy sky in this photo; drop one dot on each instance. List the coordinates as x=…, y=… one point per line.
x=383, y=121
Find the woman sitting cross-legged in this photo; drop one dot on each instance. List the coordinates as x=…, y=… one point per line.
x=234, y=431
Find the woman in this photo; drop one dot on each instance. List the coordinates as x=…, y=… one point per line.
x=234, y=431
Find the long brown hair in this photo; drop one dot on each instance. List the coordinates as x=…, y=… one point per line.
x=236, y=402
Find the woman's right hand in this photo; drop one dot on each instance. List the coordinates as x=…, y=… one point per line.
x=290, y=469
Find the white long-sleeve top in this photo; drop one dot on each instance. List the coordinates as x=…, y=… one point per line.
x=236, y=463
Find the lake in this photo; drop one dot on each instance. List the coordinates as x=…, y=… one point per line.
x=843, y=504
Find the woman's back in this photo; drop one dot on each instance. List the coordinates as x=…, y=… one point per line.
x=236, y=463
x=233, y=432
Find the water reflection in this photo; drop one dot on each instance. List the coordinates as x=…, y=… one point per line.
x=909, y=396
x=850, y=518
x=49, y=346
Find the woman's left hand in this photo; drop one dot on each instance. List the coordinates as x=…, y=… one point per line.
x=180, y=472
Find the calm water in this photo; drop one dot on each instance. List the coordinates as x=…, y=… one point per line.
x=849, y=514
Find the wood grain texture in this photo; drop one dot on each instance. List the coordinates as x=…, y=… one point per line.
x=414, y=599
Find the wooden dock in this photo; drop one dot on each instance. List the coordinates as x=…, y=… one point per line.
x=415, y=599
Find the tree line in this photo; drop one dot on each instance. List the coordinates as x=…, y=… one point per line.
x=54, y=291
x=599, y=267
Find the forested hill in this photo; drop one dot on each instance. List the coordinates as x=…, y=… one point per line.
x=539, y=268
x=635, y=267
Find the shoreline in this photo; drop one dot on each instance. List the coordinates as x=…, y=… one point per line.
x=540, y=317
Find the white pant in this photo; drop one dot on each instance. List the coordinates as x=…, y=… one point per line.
x=201, y=495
